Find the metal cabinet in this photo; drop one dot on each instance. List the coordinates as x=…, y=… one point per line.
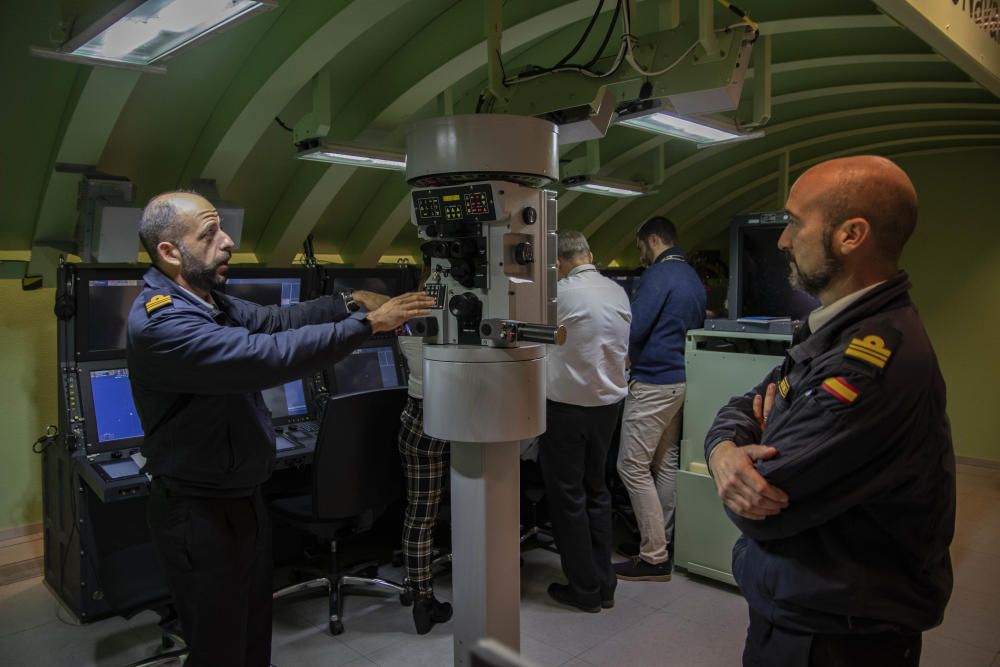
x=720, y=365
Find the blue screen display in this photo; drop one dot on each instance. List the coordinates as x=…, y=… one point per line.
x=114, y=409
x=266, y=291
x=286, y=400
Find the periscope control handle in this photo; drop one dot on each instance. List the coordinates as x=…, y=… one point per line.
x=542, y=333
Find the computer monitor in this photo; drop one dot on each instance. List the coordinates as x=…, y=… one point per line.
x=759, y=271
x=627, y=278
x=287, y=402
x=104, y=298
x=391, y=282
x=377, y=364
x=111, y=420
x=269, y=291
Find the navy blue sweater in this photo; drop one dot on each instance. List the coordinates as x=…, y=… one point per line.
x=668, y=300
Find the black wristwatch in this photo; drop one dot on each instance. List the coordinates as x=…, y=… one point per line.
x=349, y=302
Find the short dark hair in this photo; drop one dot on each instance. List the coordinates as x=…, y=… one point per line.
x=159, y=222
x=660, y=227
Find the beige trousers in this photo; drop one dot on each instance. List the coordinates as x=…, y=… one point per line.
x=648, y=460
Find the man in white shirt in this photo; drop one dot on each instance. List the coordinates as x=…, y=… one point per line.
x=585, y=385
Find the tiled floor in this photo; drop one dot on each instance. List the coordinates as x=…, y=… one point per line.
x=689, y=622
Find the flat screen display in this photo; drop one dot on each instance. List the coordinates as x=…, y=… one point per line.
x=119, y=469
x=109, y=305
x=266, y=291
x=763, y=275
x=368, y=368
x=286, y=400
x=388, y=285
x=114, y=410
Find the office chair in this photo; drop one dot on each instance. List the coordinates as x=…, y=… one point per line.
x=534, y=524
x=356, y=474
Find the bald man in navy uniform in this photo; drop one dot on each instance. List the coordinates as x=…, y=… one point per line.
x=845, y=490
x=198, y=360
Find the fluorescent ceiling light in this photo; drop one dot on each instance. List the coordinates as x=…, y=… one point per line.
x=354, y=156
x=140, y=32
x=596, y=185
x=699, y=130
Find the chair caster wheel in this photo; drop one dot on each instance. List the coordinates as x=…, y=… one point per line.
x=336, y=628
x=406, y=599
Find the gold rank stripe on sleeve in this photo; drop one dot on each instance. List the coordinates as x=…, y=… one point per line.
x=158, y=301
x=841, y=389
x=870, y=349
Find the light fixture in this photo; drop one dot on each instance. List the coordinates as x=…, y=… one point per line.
x=608, y=187
x=701, y=129
x=138, y=33
x=354, y=156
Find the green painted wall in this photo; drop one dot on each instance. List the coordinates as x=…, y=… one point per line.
x=27, y=397
x=953, y=260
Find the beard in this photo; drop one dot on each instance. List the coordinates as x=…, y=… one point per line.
x=198, y=274
x=814, y=282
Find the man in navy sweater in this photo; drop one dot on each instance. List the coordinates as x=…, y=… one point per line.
x=669, y=300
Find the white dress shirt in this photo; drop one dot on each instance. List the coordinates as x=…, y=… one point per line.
x=824, y=314
x=412, y=348
x=589, y=369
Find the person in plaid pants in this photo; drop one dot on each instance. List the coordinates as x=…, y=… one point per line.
x=425, y=465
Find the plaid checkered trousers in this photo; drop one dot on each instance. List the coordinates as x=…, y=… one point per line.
x=425, y=466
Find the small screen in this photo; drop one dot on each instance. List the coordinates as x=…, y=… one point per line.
x=110, y=302
x=266, y=291
x=120, y=469
x=764, y=273
x=388, y=285
x=114, y=409
x=368, y=368
x=286, y=400
x=283, y=444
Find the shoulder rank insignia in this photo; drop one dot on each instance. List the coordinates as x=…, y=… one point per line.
x=784, y=387
x=870, y=349
x=158, y=301
x=841, y=389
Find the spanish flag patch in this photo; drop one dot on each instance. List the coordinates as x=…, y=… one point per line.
x=158, y=301
x=870, y=349
x=841, y=389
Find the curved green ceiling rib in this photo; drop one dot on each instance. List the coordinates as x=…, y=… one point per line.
x=650, y=204
x=88, y=120
x=616, y=247
x=271, y=96
x=295, y=223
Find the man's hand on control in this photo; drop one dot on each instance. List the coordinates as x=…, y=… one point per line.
x=741, y=487
x=369, y=300
x=399, y=309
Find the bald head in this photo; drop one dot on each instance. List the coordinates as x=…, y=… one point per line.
x=165, y=217
x=869, y=187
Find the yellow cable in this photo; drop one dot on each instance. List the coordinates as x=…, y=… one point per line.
x=746, y=19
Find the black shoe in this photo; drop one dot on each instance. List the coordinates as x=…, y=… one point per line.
x=562, y=594
x=628, y=549
x=638, y=569
x=607, y=603
x=427, y=611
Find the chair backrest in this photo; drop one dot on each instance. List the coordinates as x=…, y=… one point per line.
x=356, y=465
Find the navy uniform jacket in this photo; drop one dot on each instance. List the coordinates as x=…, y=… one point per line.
x=865, y=456
x=197, y=373
x=668, y=300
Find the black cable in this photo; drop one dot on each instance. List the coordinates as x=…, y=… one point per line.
x=607, y=36
x=283, y=126
x=583, y=38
